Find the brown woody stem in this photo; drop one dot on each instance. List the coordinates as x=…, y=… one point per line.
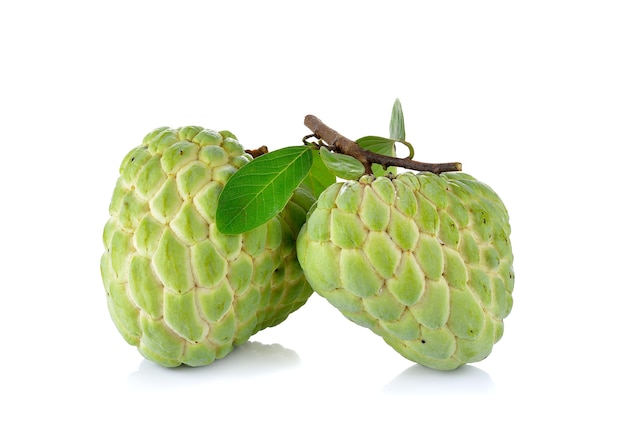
x=257, y=152
x=343, y=145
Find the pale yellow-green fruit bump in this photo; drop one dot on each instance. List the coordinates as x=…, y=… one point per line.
x=177, y=288
x=425, y=261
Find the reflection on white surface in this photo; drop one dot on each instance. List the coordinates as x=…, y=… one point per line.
x=247, y=360
x=422, y=380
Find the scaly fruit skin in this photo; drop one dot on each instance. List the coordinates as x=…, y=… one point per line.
x=422, y=260
x=178, y=289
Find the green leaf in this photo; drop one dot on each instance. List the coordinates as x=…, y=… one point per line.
x=261, y=189
x=396, y=126
x=341, y=165
x=379, y=145
x=320, y=177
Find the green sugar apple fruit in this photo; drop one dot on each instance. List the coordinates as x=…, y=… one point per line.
x=422, y=260
x=178, y=289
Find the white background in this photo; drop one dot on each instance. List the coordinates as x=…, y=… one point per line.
x=530, y=96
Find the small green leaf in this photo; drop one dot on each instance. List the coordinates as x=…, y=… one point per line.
x=341, y=165
x=382, y=146
x=320, y=177
x=396, y=126
x=378, y=144
x=261, y=189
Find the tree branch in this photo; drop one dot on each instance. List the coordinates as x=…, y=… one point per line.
x=345, y=146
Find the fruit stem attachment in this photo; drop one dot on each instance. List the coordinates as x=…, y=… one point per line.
x=343, y=145
x=257, y=152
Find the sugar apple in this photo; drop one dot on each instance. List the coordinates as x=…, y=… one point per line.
x=423, y=260
x=178, y=289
